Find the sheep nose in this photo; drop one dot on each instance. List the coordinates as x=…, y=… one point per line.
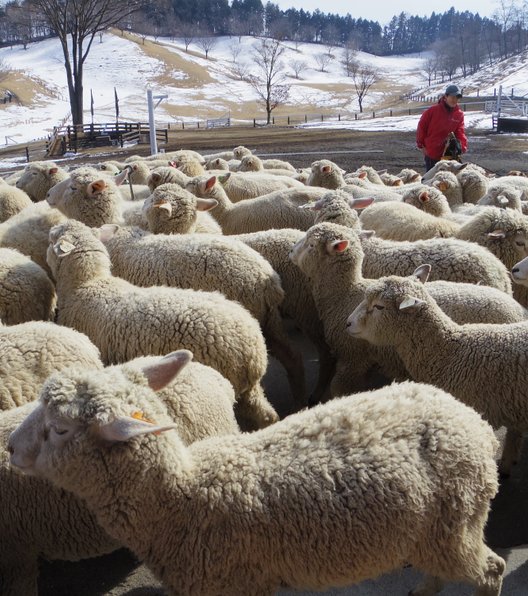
x=515, y=270
x=10, y=449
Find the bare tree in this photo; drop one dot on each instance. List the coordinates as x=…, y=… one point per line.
x=323, y=60
x=349, y=60
x=5, y=69
x=269, y=83
x=235, y=50
x=363, y=77
x=240, y=69
x=76, y=23
x=430, y=67
x=188, y=33
x=298, y=66
x=207, y=44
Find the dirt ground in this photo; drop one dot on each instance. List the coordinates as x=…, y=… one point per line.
x=118, y=573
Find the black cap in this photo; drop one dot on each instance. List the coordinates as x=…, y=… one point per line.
x=453, y=90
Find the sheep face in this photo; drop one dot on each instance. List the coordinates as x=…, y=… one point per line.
x=391, y=305
x=520, y=272
x=503, y=198
x=82, y=415
x=37, y=179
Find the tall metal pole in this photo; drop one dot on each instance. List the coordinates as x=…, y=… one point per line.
x=152, y=124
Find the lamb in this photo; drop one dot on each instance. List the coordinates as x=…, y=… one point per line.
x=447, y=183
x=243, y=186
x=165, y=175
x=126, y=321
x=437, y=350
x=93, y=199
x=450, y=259
x=31, y=351
x=391, y=179
x=38, y=177
x=504, y=196
x=190, y=166
x=171, y=209
x=28, y=231
x=217, y=164
x=369, y=488
x=252, y=163
x=279, y=209
x=448, y=165
x=39, y=520
x=240, y=152
x=474, y=184
x=371, y=174
x=504, y=232
x=12, y=201
x=401, y=221
x=408, y=175
x=327, y=174
x=331, y=257
x=26, y=291
x=209, y=263
x=138, y=172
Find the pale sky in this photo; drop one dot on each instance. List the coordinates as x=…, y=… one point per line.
x=382, y=11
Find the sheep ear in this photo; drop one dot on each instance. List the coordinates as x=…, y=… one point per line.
x=162, y=204
x=206, y=204
x=424, y=196
x=121, y=177
x=497, y=234
x=360, y=203
x=422, y=273
x=326, y=169
x=502, y=201
x=461, y=167
x=222, y=179
x=211, y=182
x=382, y=171
x=336, y=246
x=362, y=175
x=173, y=164
x=63, y=248
x=107, y=231
x=162, y=372
x=415, y=178
x=96, y=187
x=397, y=183
x=125, y=428
x=155, y=177
x=52, y=171
x=364, y=234
x=410, y=302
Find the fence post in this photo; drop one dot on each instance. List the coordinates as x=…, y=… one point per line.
x=322, y=118
x=409, y=111
x=305, y=118
x=373, y=114
x=273, y=120
x=27, y=154
x=288, y=120
x=198, y=124
x=355, y=116
x=390, y=113
x=254, y=123
x=339, y=117
x=512, y=93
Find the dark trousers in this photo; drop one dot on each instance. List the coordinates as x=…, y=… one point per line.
x=429, y=162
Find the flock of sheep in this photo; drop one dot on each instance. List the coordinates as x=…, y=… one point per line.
x=143, y=297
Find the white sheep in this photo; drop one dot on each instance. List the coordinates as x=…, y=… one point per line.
x=252, y=163
x=408, y=175
x=207, y=262
x=504, y=232
x=26, y=291
x=126, y=321
x=327, y=174
x=28, y=231
x=327, y=497
x=165, y=175
x=94, y=199
x=450, y=186
x=39, y=520
x=38, y=177
x=451, y=260
x=279, y=209
x=393, y=220
x=474, y=184
x=504, y=196
x=171, y=209
x=12, y=201
x=331, y=257
x=448, y=165
x=31, y=351
x=400, y=312
x=249, y=185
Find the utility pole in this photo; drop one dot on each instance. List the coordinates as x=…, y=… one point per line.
x=152, y=124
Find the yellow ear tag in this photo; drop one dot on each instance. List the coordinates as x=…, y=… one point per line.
x=140, y=416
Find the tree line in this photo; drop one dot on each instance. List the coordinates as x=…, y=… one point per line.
x=460, y=41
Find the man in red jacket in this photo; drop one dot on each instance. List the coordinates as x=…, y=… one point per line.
x=437, y=122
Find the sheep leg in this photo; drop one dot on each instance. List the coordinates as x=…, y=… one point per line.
x=19, y=577
x=327, y=367
x=511, y=452
x=253, y=410
x=280, y=347
x=430, y=585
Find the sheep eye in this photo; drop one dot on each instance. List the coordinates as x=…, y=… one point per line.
x=519, y=243
x=378, y=306
x=59, y=431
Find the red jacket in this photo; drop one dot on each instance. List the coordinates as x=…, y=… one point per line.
x=435, y=125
